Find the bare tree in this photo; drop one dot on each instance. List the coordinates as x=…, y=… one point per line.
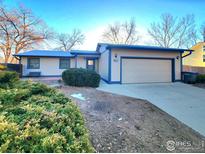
x=121, y=33
x=203, y=31
x=19, y=30
x=67, y=42
x=174, y=32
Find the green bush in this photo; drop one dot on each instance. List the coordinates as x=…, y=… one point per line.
x=200, y=78
x=13, y=96
x=36, y=119
x=81, y=77
x=8, y=79
x=39, y=88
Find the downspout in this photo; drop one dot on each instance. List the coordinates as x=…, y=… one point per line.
x=190, y=52
x=16, y=57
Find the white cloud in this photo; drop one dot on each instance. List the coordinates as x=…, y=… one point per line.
x=145, y=38
x=92, y=37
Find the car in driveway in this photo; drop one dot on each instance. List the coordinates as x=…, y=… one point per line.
x=184, y=102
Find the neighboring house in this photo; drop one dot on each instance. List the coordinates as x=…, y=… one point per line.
x=115, y=63
x=197, y=58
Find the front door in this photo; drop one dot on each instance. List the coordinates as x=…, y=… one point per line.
x=91, y=64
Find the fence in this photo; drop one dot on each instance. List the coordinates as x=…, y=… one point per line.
x=200, y=70
x=13, y=67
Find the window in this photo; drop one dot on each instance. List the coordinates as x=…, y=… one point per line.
x=91, y=64
x=64, y=63
x=33, y=63
x=204, y=48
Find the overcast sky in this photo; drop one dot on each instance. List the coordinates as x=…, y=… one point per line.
x=92, y=16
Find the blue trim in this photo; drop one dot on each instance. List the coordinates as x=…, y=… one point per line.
x=127, y=57
x=114, y=82
x=104, y=80
x=92, y=58
x=76, y=62
x=181, y=63
x=44, y=53
x=98, y=47
x=178, y=81
x=172, y=64
x=75, y=53
x=140, y=47
x=109, y=65
x=120, y=70
x=105, y=51
x=173, y=70
x=33, y=56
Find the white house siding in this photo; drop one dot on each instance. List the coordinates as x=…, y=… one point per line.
x=48, y=66
x=81, y=62
x=103, y=64
x=115, y=62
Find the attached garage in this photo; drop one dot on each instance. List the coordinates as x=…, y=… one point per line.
x=139, y=64
x=146, y=70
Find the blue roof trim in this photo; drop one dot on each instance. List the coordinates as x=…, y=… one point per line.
x=141, y=47
x=84, y=52
x=44, y=53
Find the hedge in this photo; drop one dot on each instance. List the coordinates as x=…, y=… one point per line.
x=8, y=79
x=35, y=118
x=200, y=78
x=81, y=77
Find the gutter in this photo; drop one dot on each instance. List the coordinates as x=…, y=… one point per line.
x=190, y=52
x=16, y=57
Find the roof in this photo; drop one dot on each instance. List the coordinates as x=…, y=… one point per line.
x=44, y=53
x=84, y=52
x=198, y=45
x=140, y=47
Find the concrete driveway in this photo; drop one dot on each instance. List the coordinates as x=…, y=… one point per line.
x=184, y=102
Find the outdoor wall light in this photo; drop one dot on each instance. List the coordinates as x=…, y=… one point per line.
x=177, y=57
x=115, y=58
